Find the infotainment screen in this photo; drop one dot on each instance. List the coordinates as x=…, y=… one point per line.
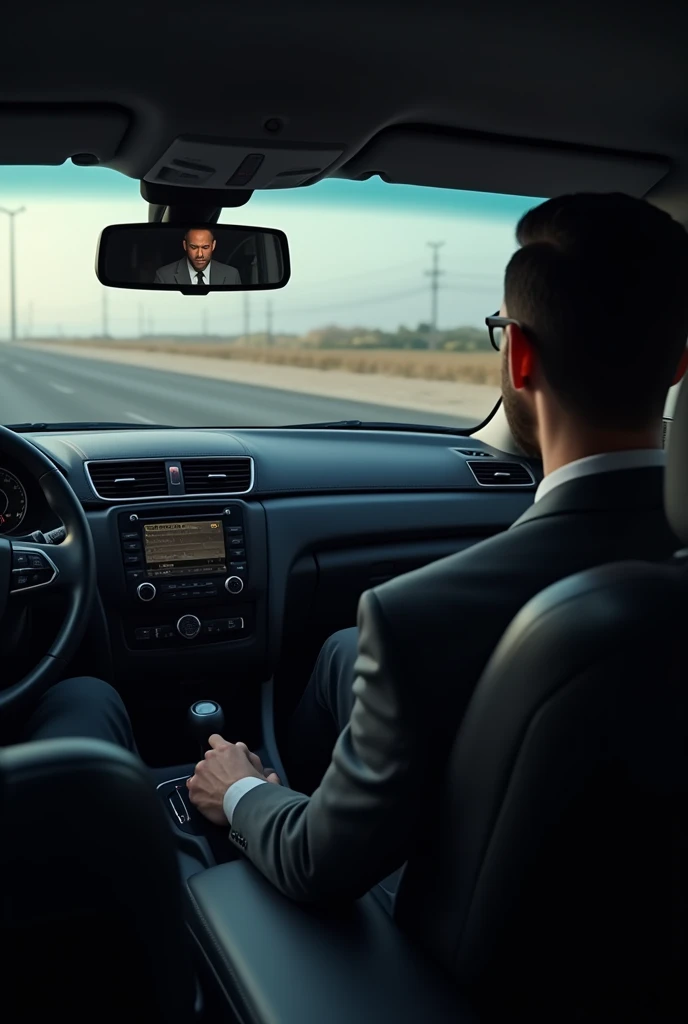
x=184, y=549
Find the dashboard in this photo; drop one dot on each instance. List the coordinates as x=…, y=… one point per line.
x=214, y=546
x=23, y=507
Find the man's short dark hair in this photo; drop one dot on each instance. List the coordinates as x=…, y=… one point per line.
x=200, y=227
x=600, y=283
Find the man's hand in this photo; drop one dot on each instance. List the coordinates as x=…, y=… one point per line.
x=224, y=764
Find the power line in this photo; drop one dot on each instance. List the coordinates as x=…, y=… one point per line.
x=349, y=303
x=434, y=274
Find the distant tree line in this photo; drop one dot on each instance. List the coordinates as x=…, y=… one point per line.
x=455, y=339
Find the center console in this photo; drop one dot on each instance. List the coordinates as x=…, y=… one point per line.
x=185, y=576
x=184, y=590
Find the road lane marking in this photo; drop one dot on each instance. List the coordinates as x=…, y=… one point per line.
x=61, y=387
x=138, y=417
x=19, y=368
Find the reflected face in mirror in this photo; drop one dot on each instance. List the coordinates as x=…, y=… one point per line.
x=199, y=244
x=216, y=257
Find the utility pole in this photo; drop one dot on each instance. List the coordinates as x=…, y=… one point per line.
x=268, y=323
x=106, y=331
x=434, y=274
x=13, y=272
x=247, y=318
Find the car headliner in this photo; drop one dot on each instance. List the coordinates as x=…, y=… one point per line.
x=528, y=98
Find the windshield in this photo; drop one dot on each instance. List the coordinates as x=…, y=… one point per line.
x=382, y=320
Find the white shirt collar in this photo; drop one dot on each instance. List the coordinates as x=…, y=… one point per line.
x=193, y=272
x=640, y=458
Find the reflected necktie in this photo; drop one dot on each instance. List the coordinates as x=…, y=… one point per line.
x=199, y=277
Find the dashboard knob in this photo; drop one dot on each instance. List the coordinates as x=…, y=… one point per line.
x=234, y=584
x=146, y=591
x=189, y=626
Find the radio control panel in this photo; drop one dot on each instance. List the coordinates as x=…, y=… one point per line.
x=179, y=558
x=185, y=577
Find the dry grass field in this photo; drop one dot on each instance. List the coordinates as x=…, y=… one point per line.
x=469, y=367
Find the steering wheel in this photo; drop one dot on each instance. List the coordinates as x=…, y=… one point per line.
x=27, y=568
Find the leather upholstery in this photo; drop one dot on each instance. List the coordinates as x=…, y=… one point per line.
x=676, y=484
x=281, y=962
x=92, y=920
x=554, y=878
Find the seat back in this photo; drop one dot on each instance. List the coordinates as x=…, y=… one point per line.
x=92, y=921
x=552, y=875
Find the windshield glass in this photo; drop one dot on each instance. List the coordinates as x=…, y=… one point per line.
x=382, y=320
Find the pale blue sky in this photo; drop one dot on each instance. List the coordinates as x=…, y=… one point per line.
x=359, y=253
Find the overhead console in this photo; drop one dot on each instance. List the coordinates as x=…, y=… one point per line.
x=207, y=162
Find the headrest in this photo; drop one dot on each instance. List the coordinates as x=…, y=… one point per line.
x=676, y=481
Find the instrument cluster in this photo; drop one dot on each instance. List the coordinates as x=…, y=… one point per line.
x=14, y=502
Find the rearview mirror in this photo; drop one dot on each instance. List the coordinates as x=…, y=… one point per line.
x=193, y=259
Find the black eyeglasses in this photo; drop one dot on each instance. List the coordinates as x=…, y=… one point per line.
x=495, y=325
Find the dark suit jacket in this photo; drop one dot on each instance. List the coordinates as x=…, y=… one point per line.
x=424, y=640
x=178, y=273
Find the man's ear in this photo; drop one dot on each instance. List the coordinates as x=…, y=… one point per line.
x=521, y=357
x=681, y=368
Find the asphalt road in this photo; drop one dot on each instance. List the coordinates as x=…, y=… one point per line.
x=38, y=386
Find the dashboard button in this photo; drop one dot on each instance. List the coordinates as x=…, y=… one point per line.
x=37, y=562
x=189, y=626
x=19, y=560
x=146, y=591
x=132, y=560
x=135, y=576
x=144, y=633
x=130, y=536
x=237, y=567
x=132, y=545
x=234, y=584
x=22, y=579
x=238, y=552
x=235, y=529
x=236, y=542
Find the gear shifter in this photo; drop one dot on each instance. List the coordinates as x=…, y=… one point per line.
x=205, y=718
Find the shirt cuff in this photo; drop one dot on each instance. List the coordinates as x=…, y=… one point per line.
x=235, y=793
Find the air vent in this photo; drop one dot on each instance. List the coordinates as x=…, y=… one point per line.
x=131, y=478
x=474, y=453
x=501, y=474
x=218, y=476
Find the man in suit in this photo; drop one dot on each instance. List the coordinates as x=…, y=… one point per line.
x=197, y=266
x=593, y=332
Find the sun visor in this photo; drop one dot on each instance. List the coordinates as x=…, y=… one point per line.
x=419, y=156
x=210, y=163
x=32, y=134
